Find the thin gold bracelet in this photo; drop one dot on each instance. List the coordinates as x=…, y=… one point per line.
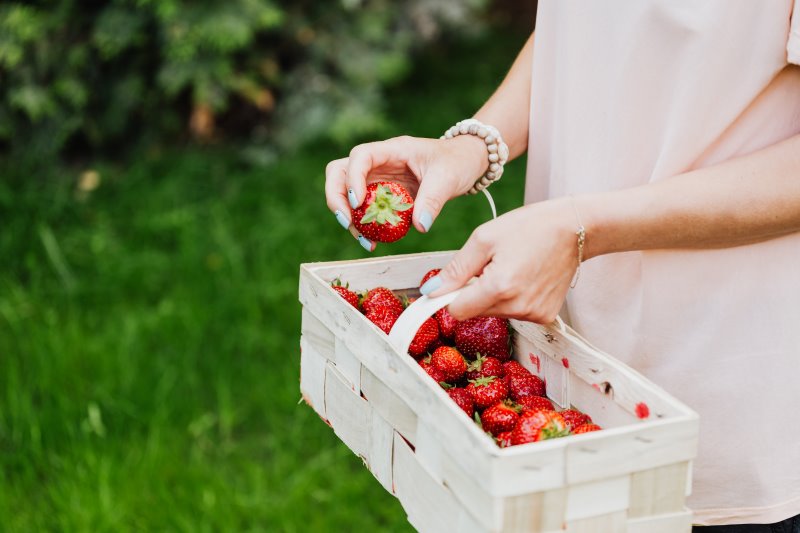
x=581, y=234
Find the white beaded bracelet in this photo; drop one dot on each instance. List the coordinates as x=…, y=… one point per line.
x=498, y=150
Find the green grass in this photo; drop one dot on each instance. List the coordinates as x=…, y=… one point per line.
x=149, y=357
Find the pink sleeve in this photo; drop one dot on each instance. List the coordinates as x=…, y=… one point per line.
x=793, y=46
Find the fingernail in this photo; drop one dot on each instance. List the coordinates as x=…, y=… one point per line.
x=426, y=221
x=341, y=219
x=431, y=285
x=365, y=243
x=351, y=196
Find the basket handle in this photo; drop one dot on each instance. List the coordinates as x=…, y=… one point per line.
x=411, y=319
x=424, y=307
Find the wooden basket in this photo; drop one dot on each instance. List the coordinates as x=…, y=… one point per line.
x=450, y=476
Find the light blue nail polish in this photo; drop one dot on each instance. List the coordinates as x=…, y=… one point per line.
x=351, y=196
x=365, y=244
x=342, y=220
x=426, y=221
x=431, y=285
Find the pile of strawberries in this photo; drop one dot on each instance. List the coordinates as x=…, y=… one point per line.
x=471, y=359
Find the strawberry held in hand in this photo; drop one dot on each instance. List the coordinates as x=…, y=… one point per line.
x=385, y=215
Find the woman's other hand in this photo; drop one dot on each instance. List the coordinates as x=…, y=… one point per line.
x=524, y=262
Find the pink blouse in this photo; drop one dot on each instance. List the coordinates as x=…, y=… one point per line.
x=628, y=92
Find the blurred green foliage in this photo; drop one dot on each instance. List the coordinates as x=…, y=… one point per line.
x=102, y=74
x=149, y=330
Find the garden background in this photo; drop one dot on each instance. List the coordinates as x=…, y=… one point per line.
x=161, y=180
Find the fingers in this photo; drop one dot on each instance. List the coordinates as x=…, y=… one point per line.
x=475, y=300
x=335, y=174
x=365, y=243
x=365, y=157
x=465, y=264
x=434, y=191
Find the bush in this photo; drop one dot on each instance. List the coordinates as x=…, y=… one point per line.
x=97, y=75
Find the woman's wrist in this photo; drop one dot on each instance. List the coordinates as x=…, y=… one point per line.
x=497, y=150
x=592, y=212
x=616, y=221
x=472, y=151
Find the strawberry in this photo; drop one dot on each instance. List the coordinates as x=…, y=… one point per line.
x=575, y=418
x=431, y=370
x=438, y=343
x=426, y=335
x=380, y=297
x=385, y=215
x=487, y=391
x=463, y=399
x=383, y=317
x=534, y=426
x=484, y=366
x=486, y=335
x=500, y=417
x=449, y=362
x=503, y=439
x=345, y=292
x=514, y=367
x=447, y=324
x=522, y=385
x=535, y=403
x=586, y=428
x=428, y=275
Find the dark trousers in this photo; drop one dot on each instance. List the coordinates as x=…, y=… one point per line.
x=790, y=525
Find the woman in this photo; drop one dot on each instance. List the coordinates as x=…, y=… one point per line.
x=663, y=143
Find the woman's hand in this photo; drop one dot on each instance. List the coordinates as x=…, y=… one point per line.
x=524, y=262
x=433, y=171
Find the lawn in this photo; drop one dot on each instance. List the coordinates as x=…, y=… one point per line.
x=149, y=331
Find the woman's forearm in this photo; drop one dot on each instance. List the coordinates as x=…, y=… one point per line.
x=508, y=108
x=744, y=200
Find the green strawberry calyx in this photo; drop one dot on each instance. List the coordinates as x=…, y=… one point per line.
x=384, y=209
x=553, y=432
x=482, y=382
x=477, y=364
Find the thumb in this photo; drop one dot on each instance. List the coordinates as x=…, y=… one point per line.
x=434, y=190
